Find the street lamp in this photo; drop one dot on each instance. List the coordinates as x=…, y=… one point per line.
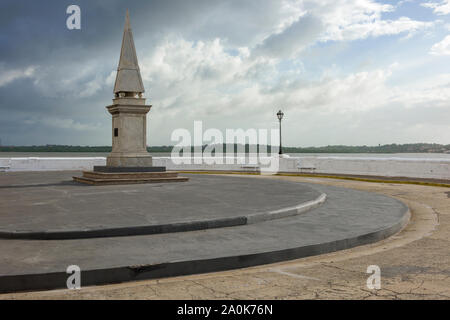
x=280, y=115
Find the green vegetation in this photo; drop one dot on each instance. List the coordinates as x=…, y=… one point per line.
x=64, y=148
x=388, y=148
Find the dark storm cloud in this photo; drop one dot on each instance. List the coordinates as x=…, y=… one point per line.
x=34, y=33
x=49, y=106
x=69, y=64
x=36, y=30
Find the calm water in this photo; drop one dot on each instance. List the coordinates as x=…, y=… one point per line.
x=350, y=155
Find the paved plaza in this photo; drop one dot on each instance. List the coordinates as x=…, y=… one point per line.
x=347, y=218
x=414, y=263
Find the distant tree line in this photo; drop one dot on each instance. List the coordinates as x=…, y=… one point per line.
x=387, y=148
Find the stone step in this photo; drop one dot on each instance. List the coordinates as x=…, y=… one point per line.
x=128, y=175
x=112, y=181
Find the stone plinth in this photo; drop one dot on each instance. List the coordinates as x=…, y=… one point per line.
x=107, y=178
x=128, y=169
x=129, y=160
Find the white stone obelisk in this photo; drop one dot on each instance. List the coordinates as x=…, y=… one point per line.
x=129, y=111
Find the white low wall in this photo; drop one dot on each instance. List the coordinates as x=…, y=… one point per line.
x=389, y=166
x=208, y=163
x=50, y=164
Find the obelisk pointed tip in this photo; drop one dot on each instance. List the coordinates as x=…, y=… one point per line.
x=127, y=21
x=128, y=78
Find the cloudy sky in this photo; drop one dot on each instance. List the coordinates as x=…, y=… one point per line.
x=354, y=72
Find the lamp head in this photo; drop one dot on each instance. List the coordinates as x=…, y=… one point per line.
x=280, y=115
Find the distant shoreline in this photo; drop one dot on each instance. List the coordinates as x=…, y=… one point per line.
x=365, y=156
x=426, y=148
x=304, y=152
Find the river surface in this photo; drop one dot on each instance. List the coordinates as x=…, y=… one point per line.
x=156, y=154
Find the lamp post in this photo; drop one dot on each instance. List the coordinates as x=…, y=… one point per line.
x=280, y=115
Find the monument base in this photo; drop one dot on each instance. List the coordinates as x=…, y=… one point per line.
x=128, y=169
x=131, y=177
x=129, y=160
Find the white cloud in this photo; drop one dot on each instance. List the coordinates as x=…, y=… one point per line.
x=441, y=48
x=352, y=20
x=440, y=8
x=363, y=91
x=334, y=20
x=354, y=92
x=428, y=92
x=378, y=28
x=8, y=76
x=111, y=78
x=198, y=79
x=82, y=79
x=201, y=77
x=188, y=81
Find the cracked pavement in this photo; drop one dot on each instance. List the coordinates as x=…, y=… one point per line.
x=414, y=263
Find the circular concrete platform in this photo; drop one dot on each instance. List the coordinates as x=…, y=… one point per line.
x=74, y=211
x=348, y=218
